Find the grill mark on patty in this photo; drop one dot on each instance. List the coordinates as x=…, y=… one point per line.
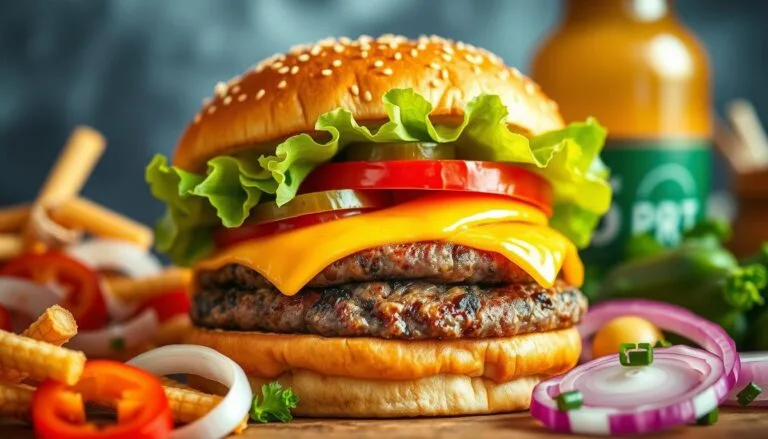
x=431, y=261
x=405, y=310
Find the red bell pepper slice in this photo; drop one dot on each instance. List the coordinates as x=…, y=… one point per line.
x=168, y=305
x=434, y=175
x=83, y=296
x=139, y=399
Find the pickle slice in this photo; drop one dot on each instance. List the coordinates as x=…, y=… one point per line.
x=382, y=152
x=320, y=202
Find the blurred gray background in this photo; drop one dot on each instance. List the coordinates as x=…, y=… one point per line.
x=138, y=69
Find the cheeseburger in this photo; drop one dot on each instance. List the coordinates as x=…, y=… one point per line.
x=387, y=226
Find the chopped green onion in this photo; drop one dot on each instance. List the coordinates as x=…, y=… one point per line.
x=709, y=419
x=748, y=394
x=662, y=344
x=635, y=354
x=570, y=400
x=117, y=344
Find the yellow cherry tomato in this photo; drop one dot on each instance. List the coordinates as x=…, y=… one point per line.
x=628, y=329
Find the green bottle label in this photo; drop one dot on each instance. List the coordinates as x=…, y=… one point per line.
x=659, y=187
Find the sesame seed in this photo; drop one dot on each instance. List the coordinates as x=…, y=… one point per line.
x=282, y=84
x=315, y=50
x=397, y=56
x=447, y=57
x=393, y=44
x=387, y=72
x=295, y=50
x=365, y=38
x=423, y=39
x=355, y=90
x=283, y=70
x=220, y=89
x=460, y=45
x=421, y=46
x=207, y=101
x=198, y=116
x=435, y=65
x=504, y=74
x=326, y=72
x=516, y=73
x=378, y=63
x=336, y=63
x=448, y=49
x=365, y=46
x=444, y=74
x=326, y=42
x=530, y=88
x=382, y=46
x=294, y=70
x=277, y=65
x=364, y=54
x=211, y=109
x=414, y=53
x=367, y=96
x=236, y=89
x=260, y=94
x=304, y=57
x=227, y=100
x=344, y=40
x=242, y=98
x=338, y=48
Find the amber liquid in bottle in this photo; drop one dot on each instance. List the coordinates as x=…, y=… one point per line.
x=633, y=65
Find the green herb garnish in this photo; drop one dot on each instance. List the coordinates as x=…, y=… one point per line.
x=570, y=400
x=709, y=419
x=748, y=394
x=662, y=344
x=635, y=354
x=275, y=405
x=117, y=344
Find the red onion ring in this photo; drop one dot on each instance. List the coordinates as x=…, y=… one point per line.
x=681, y=321
x=694, y=381
x=754, y=369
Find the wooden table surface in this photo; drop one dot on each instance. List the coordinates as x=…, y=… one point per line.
x=735, y=424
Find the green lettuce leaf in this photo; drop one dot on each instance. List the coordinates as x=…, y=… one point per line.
x=232, y=185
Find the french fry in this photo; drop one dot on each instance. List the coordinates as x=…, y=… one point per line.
x=142, y=289
x=10, y=246
x=81, y=213
x=173, y=330
x=189, y=405
x=14, y=218
x=38, y=359
x=73, y=167
x=55, y=326
x=16, y=401
x=64, y=182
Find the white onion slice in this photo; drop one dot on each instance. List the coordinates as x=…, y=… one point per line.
x=100, y=342
x=123, y=256
x=25, y=296
x=207, y=363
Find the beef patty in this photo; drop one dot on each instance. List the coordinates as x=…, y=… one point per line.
x=401, y=310
x=432, y=261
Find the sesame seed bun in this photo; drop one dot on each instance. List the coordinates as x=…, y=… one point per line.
x=285, y=94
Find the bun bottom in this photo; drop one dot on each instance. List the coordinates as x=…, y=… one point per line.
x=439, y=395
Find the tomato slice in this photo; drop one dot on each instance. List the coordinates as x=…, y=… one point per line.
x=434, y=175
x=226, y=237
x=168, y=305
x=6, y=323
x=82, y=289
x=142, y=408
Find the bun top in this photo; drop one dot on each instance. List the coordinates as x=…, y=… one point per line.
x=285, y=94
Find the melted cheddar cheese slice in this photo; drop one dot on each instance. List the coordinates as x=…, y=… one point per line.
x=515, y=230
